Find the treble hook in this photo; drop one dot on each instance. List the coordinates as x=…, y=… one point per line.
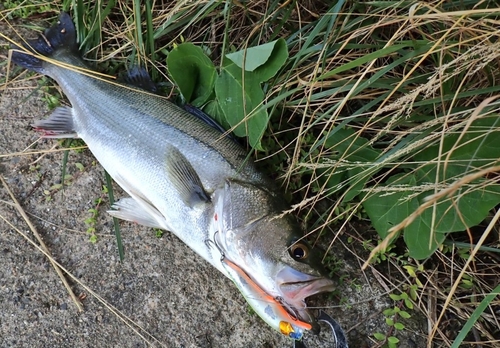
x=214, y=242
x=338, y=333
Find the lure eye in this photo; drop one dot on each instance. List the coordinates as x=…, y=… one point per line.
x=299, y=251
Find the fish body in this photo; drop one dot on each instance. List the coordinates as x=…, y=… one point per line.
x=184, y=176
x=136, y=136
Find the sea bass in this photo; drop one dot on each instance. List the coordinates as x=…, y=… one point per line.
x=183, y=176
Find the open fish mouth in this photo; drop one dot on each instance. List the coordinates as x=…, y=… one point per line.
x=295, y=293
x=287, y=313
x=296, y=286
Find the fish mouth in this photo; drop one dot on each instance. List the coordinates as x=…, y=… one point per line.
x=284, y=308
x=294, y=294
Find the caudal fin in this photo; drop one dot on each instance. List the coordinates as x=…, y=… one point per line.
x=60, y=36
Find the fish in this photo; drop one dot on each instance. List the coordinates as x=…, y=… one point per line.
x=183, y=175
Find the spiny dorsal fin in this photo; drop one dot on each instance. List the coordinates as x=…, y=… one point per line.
x=208, y=120
x=184, y=178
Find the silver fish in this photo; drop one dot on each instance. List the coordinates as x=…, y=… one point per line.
x=183, y=176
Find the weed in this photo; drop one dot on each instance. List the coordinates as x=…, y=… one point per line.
x=158, y=232
x=383, y=111
x=393, y=317
x=24, y=9
x=91, y=221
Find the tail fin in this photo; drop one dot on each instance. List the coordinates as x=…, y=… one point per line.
x=61, y=35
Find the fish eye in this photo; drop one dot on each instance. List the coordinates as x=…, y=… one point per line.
x=299, y=251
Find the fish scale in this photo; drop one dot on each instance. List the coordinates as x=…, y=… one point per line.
x=183, y=175
x=144, y=117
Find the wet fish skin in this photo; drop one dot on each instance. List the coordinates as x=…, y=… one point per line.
x=183, y=176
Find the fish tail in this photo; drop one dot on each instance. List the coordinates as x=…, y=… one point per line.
x=60, y=36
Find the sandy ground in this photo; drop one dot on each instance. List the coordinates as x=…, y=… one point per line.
x=169, y=295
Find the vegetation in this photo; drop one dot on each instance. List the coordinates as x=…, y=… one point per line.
x=379, y=115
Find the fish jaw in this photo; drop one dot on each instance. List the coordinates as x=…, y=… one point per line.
x=287, y=313
x=295, y=293
x=269, y=308
x=296, y=286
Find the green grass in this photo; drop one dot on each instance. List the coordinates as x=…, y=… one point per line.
x=384, y=115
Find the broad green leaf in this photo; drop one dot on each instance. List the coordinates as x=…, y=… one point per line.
x=333, y=176
x=239, y=96
x=420, y=241
x=464, y=209
x=423, y=238
x=274, y=63
x=252, y=56
x=213, y=109
x=193, y=72
x=477, y=147
x=357, y=181
x=469, y=205
x=387, y=209
x=348, y=144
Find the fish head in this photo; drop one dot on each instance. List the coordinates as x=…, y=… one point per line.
x=268, y=246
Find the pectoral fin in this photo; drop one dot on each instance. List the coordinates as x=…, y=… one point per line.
x=58, y=125
x=184, y=178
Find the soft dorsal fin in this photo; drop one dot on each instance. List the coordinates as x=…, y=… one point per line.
x=139, y=77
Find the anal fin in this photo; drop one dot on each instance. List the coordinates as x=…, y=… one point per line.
x=58, y=125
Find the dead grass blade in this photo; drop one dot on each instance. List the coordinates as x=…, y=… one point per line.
x=43, y=247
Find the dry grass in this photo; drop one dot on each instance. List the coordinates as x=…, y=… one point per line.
x=345, y=73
